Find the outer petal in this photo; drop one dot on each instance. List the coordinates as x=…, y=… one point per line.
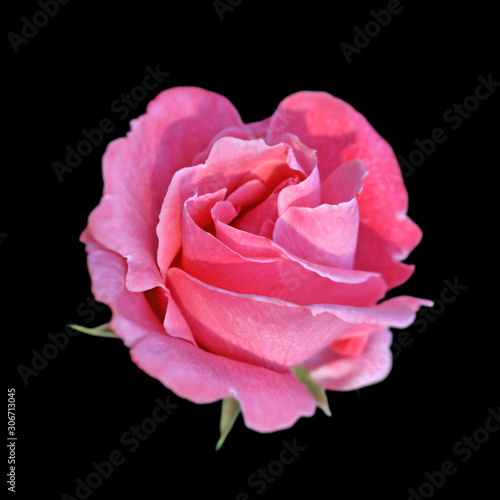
x=339, y=133
x=337, y=372
x=269, y=401
x=107, y=270
x=271, y=332
x=352, y=343
x=137, y=170
x=376, y=253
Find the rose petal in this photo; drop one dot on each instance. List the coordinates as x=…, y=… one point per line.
x=175, y=324
x=210, y=261
x=302, y=194
x=137, y=170
x=353, y=341
x=259, y=129
x=372, y=247
x=303, y=282
x=251, y=328
x=235, y=132
x=337, y=372
x=305, y=156
x=199, y=208
x=253, y=191
x=269, y=401
x=325, y=235
x=339, y=134
x=107, y=270
x=252, y=221
x=344, y=183
x=271, y=332
x=260, y=219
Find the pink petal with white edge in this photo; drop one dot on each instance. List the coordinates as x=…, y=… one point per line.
x=339, y=134
x=231, y=163
x=337, y=372
x=372, y=247
x=137, y=170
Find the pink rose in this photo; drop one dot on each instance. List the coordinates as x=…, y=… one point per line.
x=231, y=253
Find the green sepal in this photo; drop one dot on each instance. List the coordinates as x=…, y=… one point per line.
x=229, y=413
x=318, y=392
x=98, y=331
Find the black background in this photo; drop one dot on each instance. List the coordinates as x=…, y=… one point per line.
x=381, y=440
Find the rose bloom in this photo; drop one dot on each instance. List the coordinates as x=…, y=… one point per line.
x=232, y=253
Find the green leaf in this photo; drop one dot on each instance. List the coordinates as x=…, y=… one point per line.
x=229, y=414
x=98, y=331
x=318, y=393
